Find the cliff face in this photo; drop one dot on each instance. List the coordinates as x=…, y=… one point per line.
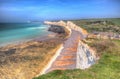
x=69, y=25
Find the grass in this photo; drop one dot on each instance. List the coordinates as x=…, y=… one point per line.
x=116, y=21
x=108, y=67
x=111, y=25
x=26, y=62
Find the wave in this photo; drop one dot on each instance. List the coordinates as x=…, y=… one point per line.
x=32, y=28
x=27, y=32
x=36, y=28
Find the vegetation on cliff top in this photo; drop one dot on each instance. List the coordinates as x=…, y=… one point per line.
x=100, y=25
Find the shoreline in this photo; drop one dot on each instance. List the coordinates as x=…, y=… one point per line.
x=39, y=38
x=37, y=50
x=32, y=55
x=16, y=41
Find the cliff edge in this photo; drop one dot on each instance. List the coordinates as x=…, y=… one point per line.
x=75, y=54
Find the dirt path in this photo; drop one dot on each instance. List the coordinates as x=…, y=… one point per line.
x=67, y=57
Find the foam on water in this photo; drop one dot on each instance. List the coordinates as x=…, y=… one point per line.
x=28, y=32
x=36, y=28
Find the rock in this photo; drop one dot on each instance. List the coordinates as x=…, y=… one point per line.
x=68, y=25
x=56, y=29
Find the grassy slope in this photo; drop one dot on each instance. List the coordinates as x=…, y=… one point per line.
x=108, y=67
x=26, y=62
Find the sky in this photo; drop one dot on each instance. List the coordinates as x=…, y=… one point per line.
x=36, y=10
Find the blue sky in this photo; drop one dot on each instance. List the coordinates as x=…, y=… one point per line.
x=24, y=10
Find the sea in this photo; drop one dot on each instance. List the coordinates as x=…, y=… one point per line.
x=18, y=32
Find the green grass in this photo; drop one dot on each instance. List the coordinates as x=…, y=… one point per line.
x=108, y=67
x=112, y=25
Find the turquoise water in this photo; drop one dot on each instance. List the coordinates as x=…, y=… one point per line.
x=16, y=32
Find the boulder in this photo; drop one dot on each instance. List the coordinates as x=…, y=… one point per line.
x=57, y=29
